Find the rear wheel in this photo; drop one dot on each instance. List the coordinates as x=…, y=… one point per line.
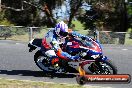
x=42, y=62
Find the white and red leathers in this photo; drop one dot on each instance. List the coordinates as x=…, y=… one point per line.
x=50, y=45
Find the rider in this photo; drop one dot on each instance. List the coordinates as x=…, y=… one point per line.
x=52, y=40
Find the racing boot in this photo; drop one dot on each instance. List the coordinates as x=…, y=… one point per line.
x=55, y=63
x=56, y=66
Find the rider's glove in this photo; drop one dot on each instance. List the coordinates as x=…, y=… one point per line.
x=76, y=57
x=79, y=56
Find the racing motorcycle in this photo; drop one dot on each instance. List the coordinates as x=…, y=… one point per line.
x=92, y=62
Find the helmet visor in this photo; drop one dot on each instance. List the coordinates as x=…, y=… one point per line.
x=64, y=34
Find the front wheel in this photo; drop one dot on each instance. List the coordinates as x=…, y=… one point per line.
x=105, y=67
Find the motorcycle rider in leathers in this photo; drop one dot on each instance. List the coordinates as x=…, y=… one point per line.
x=52, y=40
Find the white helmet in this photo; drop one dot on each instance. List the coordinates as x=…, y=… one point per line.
x=61, y=29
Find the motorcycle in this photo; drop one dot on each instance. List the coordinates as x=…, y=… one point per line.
x=92, y=62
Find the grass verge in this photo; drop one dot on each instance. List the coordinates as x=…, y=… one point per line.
x=6, y=83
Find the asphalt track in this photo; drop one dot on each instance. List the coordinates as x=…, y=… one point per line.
x=17, y=63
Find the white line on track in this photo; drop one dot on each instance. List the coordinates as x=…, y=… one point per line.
x=17, y=43
x=124, y=49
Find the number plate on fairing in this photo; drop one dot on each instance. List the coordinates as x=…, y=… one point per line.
x=69, y=43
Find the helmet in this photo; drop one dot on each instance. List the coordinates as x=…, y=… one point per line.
x=61, y=29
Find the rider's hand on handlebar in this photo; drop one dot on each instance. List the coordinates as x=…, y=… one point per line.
x=77, y=57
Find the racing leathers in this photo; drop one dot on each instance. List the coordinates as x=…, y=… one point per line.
x=51, y=45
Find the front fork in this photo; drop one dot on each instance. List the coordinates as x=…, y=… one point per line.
x=82, y=71
x=98, y=64
x=104, y=58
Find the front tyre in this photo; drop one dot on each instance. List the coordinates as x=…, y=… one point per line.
x=105, y=67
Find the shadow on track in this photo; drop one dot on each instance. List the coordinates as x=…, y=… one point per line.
x=35, y=74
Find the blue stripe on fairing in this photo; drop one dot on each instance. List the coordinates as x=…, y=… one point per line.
x=91, y=52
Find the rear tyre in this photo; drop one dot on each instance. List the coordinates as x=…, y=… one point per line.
x=42, y=62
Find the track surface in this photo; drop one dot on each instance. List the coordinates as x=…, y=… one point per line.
x=17, y=63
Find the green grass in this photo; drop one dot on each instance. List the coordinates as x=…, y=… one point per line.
x=128, y=42
x=6, y=83
x=22, y=38
x=78, y=25
x=129, y=30
x=42, y=33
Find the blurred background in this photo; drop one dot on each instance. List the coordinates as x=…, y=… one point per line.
x=108, y=21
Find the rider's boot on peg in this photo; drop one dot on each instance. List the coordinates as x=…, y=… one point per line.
x=55, y=63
